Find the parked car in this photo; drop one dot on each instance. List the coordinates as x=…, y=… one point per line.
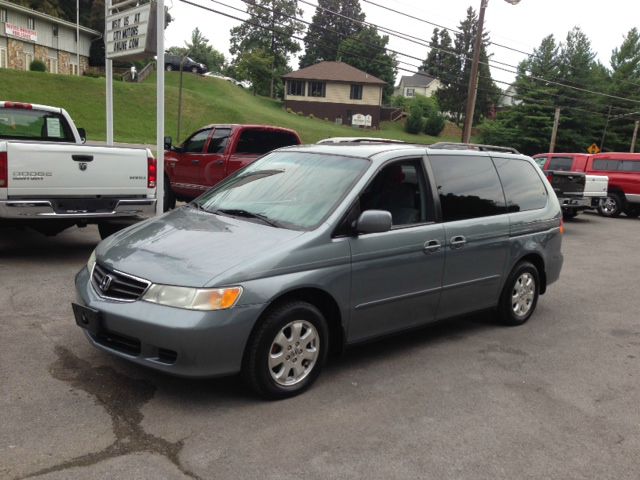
x=50, y=180
x=172, y=62
x=237, y=83
x=313, y=248
x=576, y=190
x=213, y=152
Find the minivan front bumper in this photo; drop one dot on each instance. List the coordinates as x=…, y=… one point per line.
x=181, y=342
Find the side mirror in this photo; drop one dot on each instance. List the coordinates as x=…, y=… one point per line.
x=167, y=143
x=373, y=221
x=83, y=135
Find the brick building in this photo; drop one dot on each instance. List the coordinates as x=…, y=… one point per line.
x=27, y=35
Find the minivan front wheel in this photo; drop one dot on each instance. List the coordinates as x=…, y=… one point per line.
x=287, y=351
x=520, y=295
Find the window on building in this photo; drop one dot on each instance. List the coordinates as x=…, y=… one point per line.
x=31, y=23
x=3, y=57
x=28, y=58
x=3, y=15
x=410, y=92
x=52, y=65
x=295, y=87
x=468, y=187
x=55, y=30
x=356, y=92
x=74, y=69
x=317, y=89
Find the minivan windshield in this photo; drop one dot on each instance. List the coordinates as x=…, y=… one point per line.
x=296, y=190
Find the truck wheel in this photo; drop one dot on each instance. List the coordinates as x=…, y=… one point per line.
x=520, y=295
x=169, y=202
x=611, y=206
x=285, y=354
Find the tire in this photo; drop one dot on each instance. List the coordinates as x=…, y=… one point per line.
x=286, y=352
x=169, y=202
x=611, y=206
x=107, y=229
x=520, y=295
x=168, y=67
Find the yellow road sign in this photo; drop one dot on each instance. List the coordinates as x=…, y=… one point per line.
x=593, y=148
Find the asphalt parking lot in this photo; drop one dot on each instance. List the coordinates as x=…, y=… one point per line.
x=557, y=398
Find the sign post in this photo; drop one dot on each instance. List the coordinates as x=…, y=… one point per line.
x=135, y=31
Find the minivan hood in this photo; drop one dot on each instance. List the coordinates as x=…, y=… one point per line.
x=188, y=247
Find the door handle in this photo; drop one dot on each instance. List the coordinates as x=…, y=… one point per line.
x=457, y=242
x=82, y=158
x=195, y=162
x=431, y=246
x=220, y=162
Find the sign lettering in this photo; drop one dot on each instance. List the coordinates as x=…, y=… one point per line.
x=131, y=34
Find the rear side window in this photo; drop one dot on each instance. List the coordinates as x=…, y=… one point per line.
x=561, y=163
x=606, y=165
x=468, y=187
x=24, y=124
x=630, y=166
x=523, y=187
x=258, y=142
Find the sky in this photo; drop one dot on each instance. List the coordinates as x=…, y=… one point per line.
x=521, y=26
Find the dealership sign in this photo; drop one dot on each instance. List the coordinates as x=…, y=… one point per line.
x=21, y=32
x=131, y=34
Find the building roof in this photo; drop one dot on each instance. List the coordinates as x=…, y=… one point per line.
x=334, y=72
x=46, y=17
x=420, y=79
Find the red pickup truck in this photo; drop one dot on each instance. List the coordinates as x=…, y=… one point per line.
x=214, y=152
x=623, y=170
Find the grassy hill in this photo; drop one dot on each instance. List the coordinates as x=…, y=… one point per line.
x=204, y=100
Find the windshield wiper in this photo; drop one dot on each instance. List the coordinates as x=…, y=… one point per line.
x=236, y=212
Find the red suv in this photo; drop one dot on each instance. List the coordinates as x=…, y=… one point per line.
x=623, y=170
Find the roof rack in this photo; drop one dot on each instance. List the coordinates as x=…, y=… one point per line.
x=472, y=146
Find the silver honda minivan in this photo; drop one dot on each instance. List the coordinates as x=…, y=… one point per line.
x=313, y=248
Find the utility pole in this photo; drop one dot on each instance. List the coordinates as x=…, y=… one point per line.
x=473, y=78
x=604, y=132
x=554, y=132
x=635, y=136
x=78, y=35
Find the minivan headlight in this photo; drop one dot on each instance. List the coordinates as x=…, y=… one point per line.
x=92, y=261
x=193, y=298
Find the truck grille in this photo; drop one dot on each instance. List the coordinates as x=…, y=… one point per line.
x=116, y=285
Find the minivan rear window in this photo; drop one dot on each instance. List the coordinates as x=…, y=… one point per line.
x=523, y=187
x=468, y=187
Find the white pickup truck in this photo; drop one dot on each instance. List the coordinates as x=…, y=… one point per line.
x=50, y=180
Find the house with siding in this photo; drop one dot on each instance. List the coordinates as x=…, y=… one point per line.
x=420, y=83
x=27, y=35
x=335, y=91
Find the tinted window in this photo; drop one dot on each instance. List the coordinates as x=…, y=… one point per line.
x=561, y=163
x=195, y=144
x=258, y=142
x=522, y=185
x=398, y=188
x=468, y=187
x=630, y=166
x=606, y=165
x=219, y=140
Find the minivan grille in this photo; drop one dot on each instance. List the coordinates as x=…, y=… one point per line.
x=116, y=285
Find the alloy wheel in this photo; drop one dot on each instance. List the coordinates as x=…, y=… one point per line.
x=523, y=294
x=293, y=353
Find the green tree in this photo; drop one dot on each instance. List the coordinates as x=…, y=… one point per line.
x=328, y=30
x=199, y=50
x=367, y=51
x=255, y=66
x=271, y=27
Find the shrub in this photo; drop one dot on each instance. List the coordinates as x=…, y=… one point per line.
x=415, y=122
x=434, y=124
x=38, y=66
